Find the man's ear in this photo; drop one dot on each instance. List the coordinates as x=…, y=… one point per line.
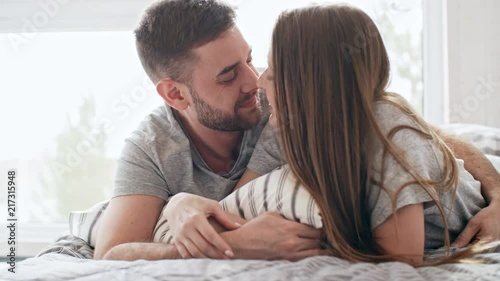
x=173, y=93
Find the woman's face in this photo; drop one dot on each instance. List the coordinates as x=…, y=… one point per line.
x=266, y=83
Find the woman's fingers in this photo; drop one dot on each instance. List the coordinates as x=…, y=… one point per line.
x=206, y=233
x=201, y=240
x=183, y=252
x=207, y=248
x=223, y=218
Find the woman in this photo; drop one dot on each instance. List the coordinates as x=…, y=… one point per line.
x=386, y=185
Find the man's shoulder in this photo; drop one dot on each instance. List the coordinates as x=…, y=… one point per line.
x=159, y=128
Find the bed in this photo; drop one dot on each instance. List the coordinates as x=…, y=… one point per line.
x=70, y=258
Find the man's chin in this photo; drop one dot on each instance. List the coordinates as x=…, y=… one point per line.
x=252, y=118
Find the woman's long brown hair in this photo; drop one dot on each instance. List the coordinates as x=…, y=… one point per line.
x=330, y=66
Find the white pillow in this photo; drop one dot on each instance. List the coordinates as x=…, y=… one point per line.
x=85, y=224
x=278, y=191
x=486, y=139
x=495, y=160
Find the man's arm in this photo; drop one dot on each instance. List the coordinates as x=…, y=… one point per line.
x=267, y=237
x=272, y=237
x=485, y=225
x=130, y=218
x=477, y=165
x=146, y=251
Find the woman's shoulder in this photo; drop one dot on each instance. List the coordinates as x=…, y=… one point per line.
x=409, y=134
x=390, y=115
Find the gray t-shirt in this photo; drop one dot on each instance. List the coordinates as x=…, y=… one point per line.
x=426, y=159
x=159, y=160
x=424, y=156
x=267, y=155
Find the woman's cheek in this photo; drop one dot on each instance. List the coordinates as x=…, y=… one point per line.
x=273, y=121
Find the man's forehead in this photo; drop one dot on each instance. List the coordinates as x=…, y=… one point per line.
x=226, y=50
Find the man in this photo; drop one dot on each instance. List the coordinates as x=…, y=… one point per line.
x=201, y=143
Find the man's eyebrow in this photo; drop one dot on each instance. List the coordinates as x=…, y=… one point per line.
x=228, y=69
x=232, y=66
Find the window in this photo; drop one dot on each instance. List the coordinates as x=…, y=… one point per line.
x=400, y=23
x=70, y=98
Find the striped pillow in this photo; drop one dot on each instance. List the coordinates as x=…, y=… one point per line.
x=85, y=224
x=278, y=191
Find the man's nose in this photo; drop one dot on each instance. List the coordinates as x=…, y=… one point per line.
x=250, y=77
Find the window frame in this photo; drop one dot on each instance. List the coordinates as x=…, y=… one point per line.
x=435, y=62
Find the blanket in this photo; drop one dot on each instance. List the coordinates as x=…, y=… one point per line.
x=70, y=259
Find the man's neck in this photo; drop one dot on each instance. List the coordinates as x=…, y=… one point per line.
x=219, y=149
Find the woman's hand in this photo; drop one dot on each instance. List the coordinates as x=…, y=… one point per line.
x=193, y=235
x=270, y=237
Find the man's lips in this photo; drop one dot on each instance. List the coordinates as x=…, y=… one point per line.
x=250, y=103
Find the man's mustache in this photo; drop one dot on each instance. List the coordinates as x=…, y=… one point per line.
x=248, y=97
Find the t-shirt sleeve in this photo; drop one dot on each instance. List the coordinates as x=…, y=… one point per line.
x=137, y=174
x=422, y=155
x=267, y=154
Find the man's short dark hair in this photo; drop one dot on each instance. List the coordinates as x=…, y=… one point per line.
x=169, y=31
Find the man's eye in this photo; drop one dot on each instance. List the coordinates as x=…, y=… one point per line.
x=228, y=77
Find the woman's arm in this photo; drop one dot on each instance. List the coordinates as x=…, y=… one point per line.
x=402, y=235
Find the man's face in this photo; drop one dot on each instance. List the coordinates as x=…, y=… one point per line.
x=224, y=84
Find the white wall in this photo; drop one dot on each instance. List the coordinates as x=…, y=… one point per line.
x=474, y=61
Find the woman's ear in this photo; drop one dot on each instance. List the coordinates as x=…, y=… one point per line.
x=173, y=93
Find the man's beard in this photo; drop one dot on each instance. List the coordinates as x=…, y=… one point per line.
x=219, y=120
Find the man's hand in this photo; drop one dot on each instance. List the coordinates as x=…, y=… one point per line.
x=193, y=236
x=484, y=226
x=271, y=237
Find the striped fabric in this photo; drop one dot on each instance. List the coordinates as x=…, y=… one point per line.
x=278, y=191
x=85, y=224
x=69, y=245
